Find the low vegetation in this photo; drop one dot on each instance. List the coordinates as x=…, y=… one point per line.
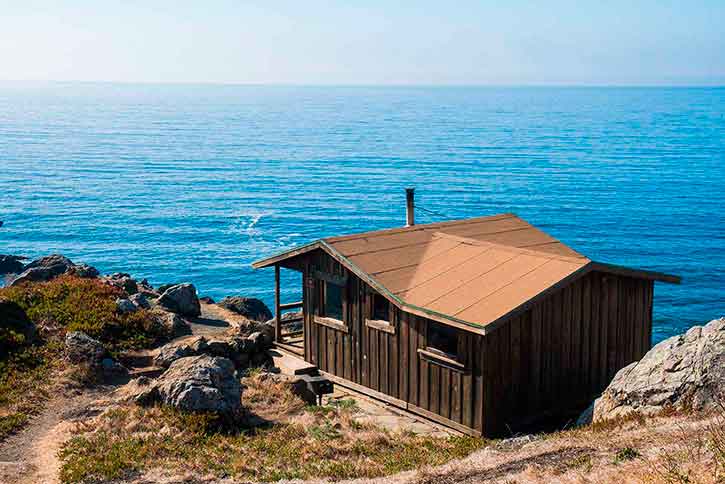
x=297, y=442
x=28, y=365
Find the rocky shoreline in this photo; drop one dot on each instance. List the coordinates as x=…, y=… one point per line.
x=198, y=373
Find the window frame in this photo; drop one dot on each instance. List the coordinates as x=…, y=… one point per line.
x=439, y=357
x=385, y=325
x=320, y=317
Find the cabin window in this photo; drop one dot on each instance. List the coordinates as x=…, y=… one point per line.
x=381, y=308
x=443, y=339
x=332, y=299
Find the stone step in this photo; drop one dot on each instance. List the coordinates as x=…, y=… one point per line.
x=148, y=371
x=136, y=359
x=292, y=365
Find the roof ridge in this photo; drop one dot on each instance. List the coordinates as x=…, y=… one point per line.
x=417, y=227
x=513, y=248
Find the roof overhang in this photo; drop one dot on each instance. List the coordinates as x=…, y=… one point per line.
x=286, y=259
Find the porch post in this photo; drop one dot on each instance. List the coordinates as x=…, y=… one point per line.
x=277, y=310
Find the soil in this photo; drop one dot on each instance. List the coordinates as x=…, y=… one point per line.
x=31, y=456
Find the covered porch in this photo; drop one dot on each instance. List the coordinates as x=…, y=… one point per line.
x=289, y=331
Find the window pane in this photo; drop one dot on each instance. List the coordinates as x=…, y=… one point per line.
x=381, y=308
x=443, y=338
x=333, y=301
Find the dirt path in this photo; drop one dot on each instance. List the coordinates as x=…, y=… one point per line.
x=31, y=456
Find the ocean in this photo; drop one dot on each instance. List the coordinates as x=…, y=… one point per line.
x=193, y=183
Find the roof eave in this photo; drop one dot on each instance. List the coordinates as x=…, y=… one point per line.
x=637, y=273
x=288, y=254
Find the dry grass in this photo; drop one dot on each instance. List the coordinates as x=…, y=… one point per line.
x=669, y=448
x=311, y=442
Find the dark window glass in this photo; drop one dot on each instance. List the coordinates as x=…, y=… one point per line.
x=381, y=308
x=333, y=301
x=443, y=338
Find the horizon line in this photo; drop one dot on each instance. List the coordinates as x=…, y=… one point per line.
x=717, y=84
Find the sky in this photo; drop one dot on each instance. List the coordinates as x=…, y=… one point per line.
x=428, y=42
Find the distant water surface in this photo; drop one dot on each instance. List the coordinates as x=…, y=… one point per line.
x=193, y=183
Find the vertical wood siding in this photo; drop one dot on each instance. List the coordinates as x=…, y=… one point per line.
x=553, y=357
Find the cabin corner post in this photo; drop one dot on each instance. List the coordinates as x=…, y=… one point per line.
x=277, y=308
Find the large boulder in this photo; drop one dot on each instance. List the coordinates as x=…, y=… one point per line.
x=82, y=349
x=169, y=324
x=11, y=264
x=685, y=371
x=176, y=350
x=51, y=266
x=249, y=307
x=181, y=299
x=197, y=384
x=53, y=260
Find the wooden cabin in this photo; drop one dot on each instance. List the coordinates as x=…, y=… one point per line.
x=483, y=325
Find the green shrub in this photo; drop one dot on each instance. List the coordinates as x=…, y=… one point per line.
x=88, y=305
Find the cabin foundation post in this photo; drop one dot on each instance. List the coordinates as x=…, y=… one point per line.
x=277, y=308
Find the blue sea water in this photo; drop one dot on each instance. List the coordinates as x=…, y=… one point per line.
x=193, y=183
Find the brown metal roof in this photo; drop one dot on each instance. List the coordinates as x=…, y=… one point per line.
x=470, y=272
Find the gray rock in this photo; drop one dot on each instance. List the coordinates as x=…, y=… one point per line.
x=220, y=347
x=83, y=270
x=139, y=300
x=249, y=307
x=51, y=266
x=180, y=349
x=11, y=264
x=172, y=325
x=684, y=371
x=197, y=384
x=181, y=299
x=123, y=281
x=256, y=341
x=51, y=261
x=82, y=349
x=124, y=306
x=37, y=274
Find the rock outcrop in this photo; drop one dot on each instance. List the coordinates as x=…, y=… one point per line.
x=198, y=384
x=170, y=324
x=180, y=349
x=124, y=306
x=181, y=299
x=11, y=264
x=249, y=307
x=51, y=266
x=684, y=371
x=82, y=349
x=123, y=281
x=242, y=350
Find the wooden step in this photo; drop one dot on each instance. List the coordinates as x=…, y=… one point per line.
x=291, y=365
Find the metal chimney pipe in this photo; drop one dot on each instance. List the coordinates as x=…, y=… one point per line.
x=409, y=207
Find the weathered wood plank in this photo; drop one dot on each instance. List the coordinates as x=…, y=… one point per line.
x=422, y=363
x=613, y=327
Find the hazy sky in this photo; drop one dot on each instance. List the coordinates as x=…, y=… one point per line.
x=365, y=42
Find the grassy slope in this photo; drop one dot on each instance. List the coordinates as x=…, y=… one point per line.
x=308, y=442
x=29, y=370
